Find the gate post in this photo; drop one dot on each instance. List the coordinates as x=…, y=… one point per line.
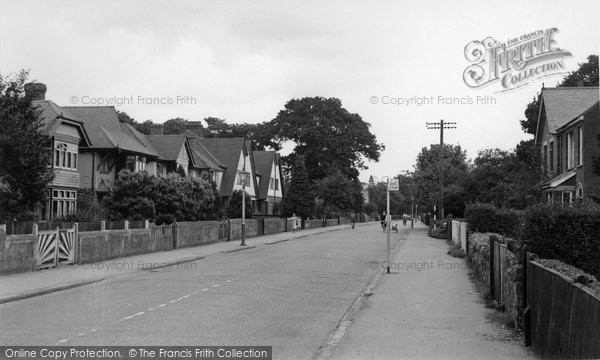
x=525, y=295
x=76, y=245
x=56, y=246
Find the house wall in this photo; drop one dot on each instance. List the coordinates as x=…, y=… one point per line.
x=183, y=159
x=250, y=169
x=591, y=151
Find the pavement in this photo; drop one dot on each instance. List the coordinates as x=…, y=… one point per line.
x=427, y=308
x=25, y=285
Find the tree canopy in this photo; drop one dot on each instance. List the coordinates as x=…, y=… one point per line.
x=25, y=153
x=326, y=135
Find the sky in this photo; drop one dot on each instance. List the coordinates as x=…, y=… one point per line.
x=242, y=61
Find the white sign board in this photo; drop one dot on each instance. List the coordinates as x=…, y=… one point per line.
x=393, y=185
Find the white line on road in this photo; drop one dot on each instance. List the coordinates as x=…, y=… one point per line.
x=204, y=289
x=162, y=305
x=215, y=285
x=96, y=329
x=63, y=341
x=172, y=301
x=81, y=334
x=150, y=309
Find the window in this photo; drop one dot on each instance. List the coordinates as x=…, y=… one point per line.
x=551, y=156
x=272, y=184
x=65, y=155
x=64, y=202
x=135, y=163
x=567, y=197
x=580, y=146
x=559, y=154
x=570, y=150
x=545, y=157
x=276, y=184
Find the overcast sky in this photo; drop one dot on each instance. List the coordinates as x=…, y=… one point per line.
x=243, y=60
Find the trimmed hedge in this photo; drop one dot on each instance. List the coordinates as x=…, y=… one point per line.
x=567, y=233
x=484, y=218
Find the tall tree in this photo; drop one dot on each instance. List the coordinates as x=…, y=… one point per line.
x=325, y=134
x=174, y=126
x=299, y=199
x=586, y=73
x=25, y=151
x=260, y=134
x=427, y=175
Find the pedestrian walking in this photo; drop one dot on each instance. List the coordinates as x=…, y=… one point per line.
x=295, y=219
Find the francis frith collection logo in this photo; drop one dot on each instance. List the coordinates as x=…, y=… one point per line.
x=516, y=62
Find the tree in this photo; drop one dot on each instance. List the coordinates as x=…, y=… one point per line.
x=174, y=126
x=25, y=151
x=336, y=192
x=587, y=73
x=260, y=133
x=132, y=197
x=234, y=211
x=299, y=199
x=427, y=175
x=325, y=134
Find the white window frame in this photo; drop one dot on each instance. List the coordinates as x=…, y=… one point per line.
x=65, y=155
x=64, y=202
x=580, y=145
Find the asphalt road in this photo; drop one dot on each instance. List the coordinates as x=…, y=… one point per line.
x=289, y=295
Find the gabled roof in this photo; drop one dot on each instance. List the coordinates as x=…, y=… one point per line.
x=263, y=164
x=203, y=158
x=105, y=131
x=228, y=151
x=53, y=115
x=168, y=146
x=563, y=104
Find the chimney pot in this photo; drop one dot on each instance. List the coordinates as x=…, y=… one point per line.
x=37, y=91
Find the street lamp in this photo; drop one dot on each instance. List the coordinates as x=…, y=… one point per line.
x=243, y=178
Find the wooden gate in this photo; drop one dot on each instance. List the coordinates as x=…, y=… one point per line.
x=55, y=247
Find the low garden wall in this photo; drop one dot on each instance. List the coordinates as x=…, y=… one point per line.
x=193, y=233
x=235, y=229
x=274, y=226
x=17, y=253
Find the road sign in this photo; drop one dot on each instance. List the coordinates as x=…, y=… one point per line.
x=393, y=185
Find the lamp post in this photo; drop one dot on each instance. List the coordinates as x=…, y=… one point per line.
x=243, y=176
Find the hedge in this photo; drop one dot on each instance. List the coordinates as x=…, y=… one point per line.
x=567, y=233
x=487, y=218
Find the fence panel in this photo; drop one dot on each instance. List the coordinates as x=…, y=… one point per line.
x=564, y=317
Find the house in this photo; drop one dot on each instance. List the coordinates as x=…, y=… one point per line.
x=269, y=180
x=566, y=134
x=235, y=155
x=111, y=150
x=69, y=138
x=207, y=165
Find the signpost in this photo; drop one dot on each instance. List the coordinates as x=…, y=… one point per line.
x=392, y=185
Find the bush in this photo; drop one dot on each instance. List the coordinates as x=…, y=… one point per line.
x=484, y=218
x=566, y=233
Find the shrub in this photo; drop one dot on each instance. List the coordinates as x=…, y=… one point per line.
x=566, y=233
x=483, y=218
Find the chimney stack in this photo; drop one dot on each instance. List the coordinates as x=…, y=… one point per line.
x=37, y=91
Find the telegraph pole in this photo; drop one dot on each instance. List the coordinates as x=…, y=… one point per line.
x=441, y=126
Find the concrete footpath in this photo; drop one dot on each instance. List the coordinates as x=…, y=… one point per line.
x=427, y=308
x=29, y=284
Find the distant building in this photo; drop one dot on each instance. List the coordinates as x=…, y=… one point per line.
x=567, y=136
x=269, y=179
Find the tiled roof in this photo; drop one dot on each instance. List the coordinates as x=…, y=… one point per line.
x=228, y=151
x=562, y=104
x=263, y=163
x=105, y=130
x=51, y=115
x=168, y=146
x=203, y=158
